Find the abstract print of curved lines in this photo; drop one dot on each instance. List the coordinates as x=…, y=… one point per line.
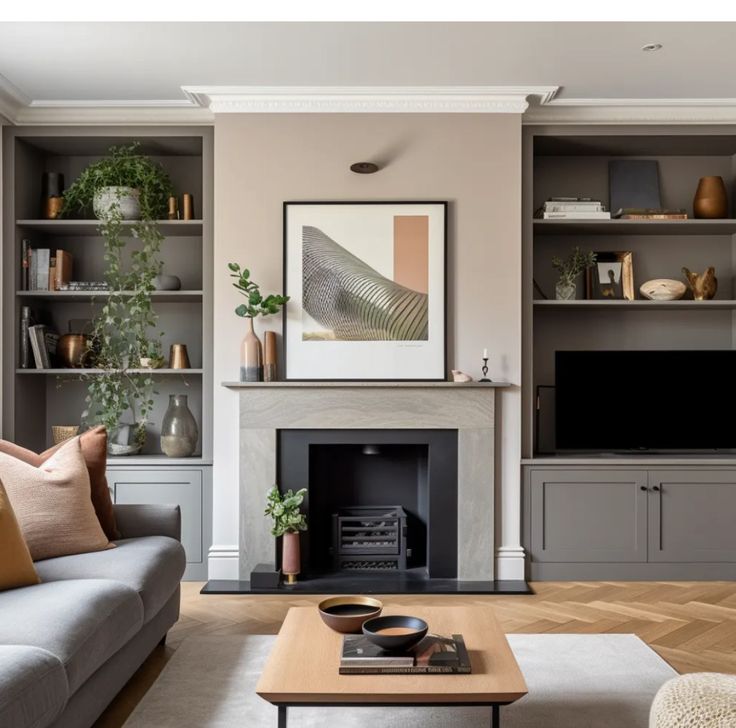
x=354, y=301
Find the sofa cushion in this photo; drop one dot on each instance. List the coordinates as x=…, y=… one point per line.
x=16, y=566
x=152, y=565
x=33, y=687
x=94, y=449
x=82, y=622
x=52, y=503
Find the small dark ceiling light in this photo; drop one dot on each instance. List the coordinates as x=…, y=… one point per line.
x=649, y=47
x=364, y=168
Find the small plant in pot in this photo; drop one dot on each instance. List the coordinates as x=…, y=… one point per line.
x=569, y=269
x=288, y=522
x=251, y=352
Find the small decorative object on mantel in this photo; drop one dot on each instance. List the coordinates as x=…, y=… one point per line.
x=288, y=522
x=711, y=199
x=663, y=289
x=251, y=353
x=703, y=285
x=270, y=369
x=179, y=357
x=611, y=277
x=569, y=269
x=179, y=431
x=346, y=264
x=484, y=368
x=461, y=377
x=52, y=190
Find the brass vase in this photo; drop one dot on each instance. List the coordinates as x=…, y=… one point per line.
x=711, y=199
x=269, y=357
x=179, y=357
x=251, y=355
x=290, y=556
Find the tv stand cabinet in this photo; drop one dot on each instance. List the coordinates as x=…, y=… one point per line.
x=654, y=518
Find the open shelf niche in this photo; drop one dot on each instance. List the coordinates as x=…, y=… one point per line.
x=573, y=161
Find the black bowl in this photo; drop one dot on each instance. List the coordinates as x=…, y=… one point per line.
x=378, y=631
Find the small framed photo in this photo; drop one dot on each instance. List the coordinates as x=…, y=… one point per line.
x=367, y=290
x=611, y=277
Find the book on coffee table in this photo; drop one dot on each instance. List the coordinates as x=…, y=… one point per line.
x=433, y=655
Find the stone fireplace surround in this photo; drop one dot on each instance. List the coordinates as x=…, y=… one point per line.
x=266, y=408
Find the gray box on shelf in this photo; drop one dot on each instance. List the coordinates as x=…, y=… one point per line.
x=265, y=576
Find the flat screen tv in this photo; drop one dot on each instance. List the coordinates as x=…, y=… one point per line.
x=622, y=401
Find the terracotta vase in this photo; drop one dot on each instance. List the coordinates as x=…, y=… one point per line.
x=251, y=355
x=290, y=556
x=711, y=199
x=269, y=357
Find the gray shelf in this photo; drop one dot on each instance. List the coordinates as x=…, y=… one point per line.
x=637, y=305
x=634, y=227
x=60, y=296
x=69, y=372
x=148, y=460
x=90, y=228
x=378, y=384
x=695, y=459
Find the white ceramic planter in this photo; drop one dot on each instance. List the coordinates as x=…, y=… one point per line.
x=108, y=199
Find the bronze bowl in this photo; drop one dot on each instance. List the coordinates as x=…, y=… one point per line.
x=395, y=633
x=73, y=350
x=347, y=614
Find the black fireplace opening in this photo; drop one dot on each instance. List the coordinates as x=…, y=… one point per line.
x=378, y=501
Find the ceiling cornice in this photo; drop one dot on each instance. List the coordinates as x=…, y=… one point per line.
x=369, y=99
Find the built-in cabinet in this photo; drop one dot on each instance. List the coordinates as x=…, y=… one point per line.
x=630, y=523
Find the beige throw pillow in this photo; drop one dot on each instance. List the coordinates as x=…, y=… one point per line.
x=52, y=503
x=16, y=567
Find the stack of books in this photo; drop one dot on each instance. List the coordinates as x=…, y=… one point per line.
x=433, y=655
x=649, y=213
x=43, y=269
x=573, y=208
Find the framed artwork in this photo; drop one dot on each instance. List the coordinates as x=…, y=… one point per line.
x=611, y=277
x=367, y=288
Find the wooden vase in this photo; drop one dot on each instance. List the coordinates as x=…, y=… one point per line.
x=269, y=357
x=251, y=355
x=290, y=556
x=711, y=199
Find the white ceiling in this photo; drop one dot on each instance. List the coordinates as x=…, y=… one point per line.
x=150, y=62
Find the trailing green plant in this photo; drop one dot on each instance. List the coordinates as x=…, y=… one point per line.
x=285, y=511
x=571, y=267
x=125, y=323
x=257, y=304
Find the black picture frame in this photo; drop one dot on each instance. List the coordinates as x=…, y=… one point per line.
x=287, y=205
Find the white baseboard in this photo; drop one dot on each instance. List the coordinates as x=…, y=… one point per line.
x=223, y=562
x=510, y=563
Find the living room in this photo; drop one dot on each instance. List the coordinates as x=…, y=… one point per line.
x=514, y=507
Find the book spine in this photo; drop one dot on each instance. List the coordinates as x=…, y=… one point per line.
x=33, y=333
x=577, y=215
x=423, y=670
x=25, y=342
x=63, y=268
x=43, y=256
x=24, y=248
x=33, y=269
x=52, y=274
x=653, y=217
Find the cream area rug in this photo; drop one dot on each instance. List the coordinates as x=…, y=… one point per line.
x=574, y=681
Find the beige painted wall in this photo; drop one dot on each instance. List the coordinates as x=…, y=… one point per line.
x=471, y=160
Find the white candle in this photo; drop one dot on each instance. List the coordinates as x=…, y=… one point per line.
x=485, y=353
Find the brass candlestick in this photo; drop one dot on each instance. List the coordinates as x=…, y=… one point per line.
x=173, y=208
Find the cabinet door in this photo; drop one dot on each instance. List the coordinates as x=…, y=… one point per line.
x=167, y=487
x=691, y=516
x=588, y=516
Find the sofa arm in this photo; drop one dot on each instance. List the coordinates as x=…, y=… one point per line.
x=136, y=520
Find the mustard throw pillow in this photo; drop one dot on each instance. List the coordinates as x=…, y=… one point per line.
x=52, y=503
x=16, y=567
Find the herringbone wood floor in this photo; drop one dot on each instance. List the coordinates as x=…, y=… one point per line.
x=692, y=625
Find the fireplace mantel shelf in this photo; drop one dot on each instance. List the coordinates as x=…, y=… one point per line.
x=366, y=384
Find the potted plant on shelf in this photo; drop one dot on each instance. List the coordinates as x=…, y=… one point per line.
x=569, y=269
x=288, y=522
x=124, y=325
x=251, y=353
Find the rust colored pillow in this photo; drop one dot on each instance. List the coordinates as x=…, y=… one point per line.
x=52, y=503
x=16, y=566
x=94, y=450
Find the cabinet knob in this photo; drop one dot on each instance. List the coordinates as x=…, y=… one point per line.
x=656, y=487
x=643, y=487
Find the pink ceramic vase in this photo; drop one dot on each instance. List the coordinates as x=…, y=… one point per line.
x=290, y=556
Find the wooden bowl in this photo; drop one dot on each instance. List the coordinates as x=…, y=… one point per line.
x=395, y=633
x=347, y=614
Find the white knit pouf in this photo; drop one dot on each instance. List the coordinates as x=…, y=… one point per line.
x=698, y=700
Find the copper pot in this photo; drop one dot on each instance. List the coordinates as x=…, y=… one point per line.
x=711, y=199
x=73, y=350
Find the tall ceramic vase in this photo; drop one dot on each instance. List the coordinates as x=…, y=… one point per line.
x=251, y=355
x=179, y=431
x=711, y=199
x=290, y=556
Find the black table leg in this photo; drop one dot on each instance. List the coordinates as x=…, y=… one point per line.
x=282, y=716
x=495, y=717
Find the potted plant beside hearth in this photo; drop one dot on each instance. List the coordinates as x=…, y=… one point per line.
x=288, y=522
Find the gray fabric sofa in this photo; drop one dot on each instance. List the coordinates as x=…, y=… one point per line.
x=69, y=644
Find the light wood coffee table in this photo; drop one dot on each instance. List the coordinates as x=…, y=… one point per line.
x=302, y=669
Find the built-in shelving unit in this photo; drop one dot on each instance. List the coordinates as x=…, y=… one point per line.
x=90, y=228
x=96, y=296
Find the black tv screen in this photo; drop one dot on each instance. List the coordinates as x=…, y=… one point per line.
x=619, y=401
